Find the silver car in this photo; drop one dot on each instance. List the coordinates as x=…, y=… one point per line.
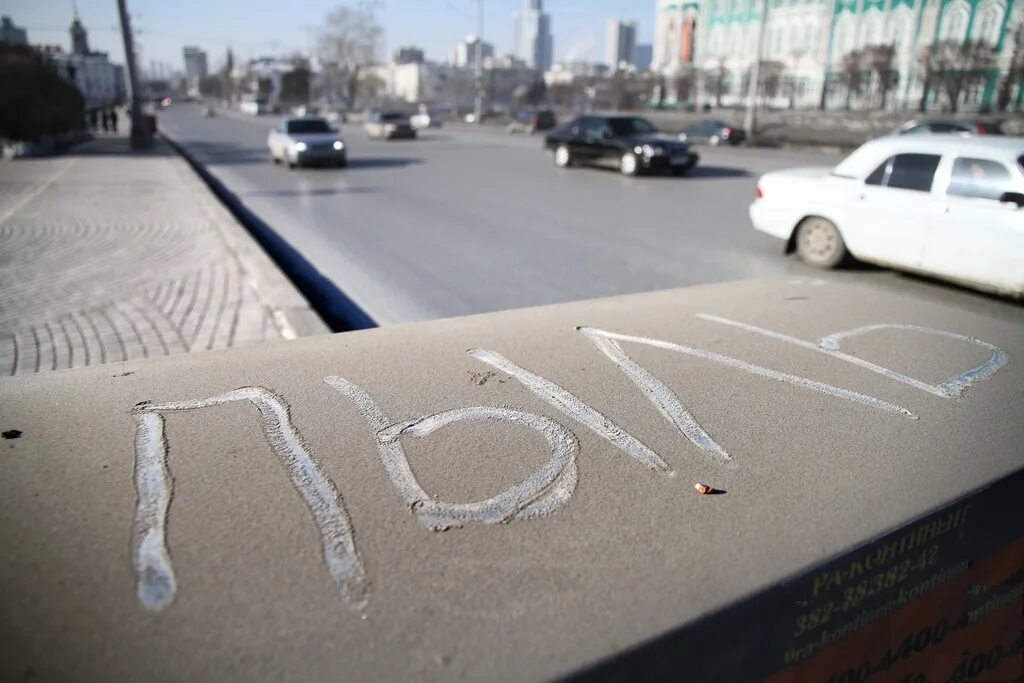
x=298, y=140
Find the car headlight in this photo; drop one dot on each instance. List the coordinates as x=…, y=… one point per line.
x=339, y=145
x=300, y=146
x=651, y=150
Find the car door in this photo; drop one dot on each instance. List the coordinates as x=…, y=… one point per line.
x=586, y=142
x=977, y=237
x=887, y=220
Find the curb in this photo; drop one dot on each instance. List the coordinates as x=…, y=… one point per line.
x=323, y=304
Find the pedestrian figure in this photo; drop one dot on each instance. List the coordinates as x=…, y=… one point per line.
x=106, y=121
x=113, y=120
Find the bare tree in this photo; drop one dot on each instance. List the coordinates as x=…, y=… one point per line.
x=769, y=81
x=227, y=75
x=853, y=75
x=683, y=83
x=716, y=82
x=1015, y=72
x=368, y=90
x=952, y=68
x=346, y=45
x=880, y=63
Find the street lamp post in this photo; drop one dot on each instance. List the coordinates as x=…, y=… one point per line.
x=478, y=105
x=140, y=135
x=755, y=73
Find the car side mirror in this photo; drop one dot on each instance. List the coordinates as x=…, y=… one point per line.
x=1013, y=198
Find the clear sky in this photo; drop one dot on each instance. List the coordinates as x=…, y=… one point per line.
x=267, y=27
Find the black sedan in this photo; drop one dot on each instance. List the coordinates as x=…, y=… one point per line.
x=712, y=132
x=629, y=143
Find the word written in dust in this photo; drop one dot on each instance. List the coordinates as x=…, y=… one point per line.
x=542, y=493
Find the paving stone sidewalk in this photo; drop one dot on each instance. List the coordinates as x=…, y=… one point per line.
x=108, y=255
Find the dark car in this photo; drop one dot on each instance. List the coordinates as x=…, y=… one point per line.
x=956, y=127
x=532, y=120
x=389, y=125
x=712, y=132
x=629, y=143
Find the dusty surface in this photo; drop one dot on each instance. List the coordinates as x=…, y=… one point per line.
x=633, y=552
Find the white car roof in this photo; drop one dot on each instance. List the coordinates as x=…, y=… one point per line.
x=867, y=157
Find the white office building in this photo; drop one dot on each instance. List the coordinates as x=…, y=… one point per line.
x=620, y=44
x=465, y=53
x=533, y=41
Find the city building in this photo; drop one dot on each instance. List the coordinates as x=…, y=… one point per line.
x=9, y=33
x=409, y=55
x=809, y=47
x=642, y=56
x=439, y=86
x=533, y=41
x=620, y=44
x=195, y=64
x=101, y=82
x=79, y=36
x=465, y=53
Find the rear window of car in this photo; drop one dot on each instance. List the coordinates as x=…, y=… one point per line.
x=979, y=178
x=906, y=172
x=309, y=126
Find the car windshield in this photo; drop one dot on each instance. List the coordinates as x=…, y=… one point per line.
x=631, y=126
x=308, y=126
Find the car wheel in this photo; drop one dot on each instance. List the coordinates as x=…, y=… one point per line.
x=714, y=141
x=341, y=163
x=563, y=158
x=628, y=164
x=291, y=164
x=819, y=243
x=274, y=160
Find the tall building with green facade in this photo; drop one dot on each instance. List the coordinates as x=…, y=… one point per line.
x=807, y=44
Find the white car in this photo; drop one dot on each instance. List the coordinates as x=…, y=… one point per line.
x=298, y=140
x=951, y=207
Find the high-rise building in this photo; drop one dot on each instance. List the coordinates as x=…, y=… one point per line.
x=533, y=41
x=195, y=63
x=620, y=43
x=465, y=52
x=642, y=56
x=409, y=55
x=9, y=33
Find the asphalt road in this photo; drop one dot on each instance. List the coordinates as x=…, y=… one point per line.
x=467, y=221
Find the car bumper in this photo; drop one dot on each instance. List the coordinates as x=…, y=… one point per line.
x=666, y=162
x=314, y=156
x=400, y=133
x=775, y=221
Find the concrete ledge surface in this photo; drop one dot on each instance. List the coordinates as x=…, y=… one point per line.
x=305, y=509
